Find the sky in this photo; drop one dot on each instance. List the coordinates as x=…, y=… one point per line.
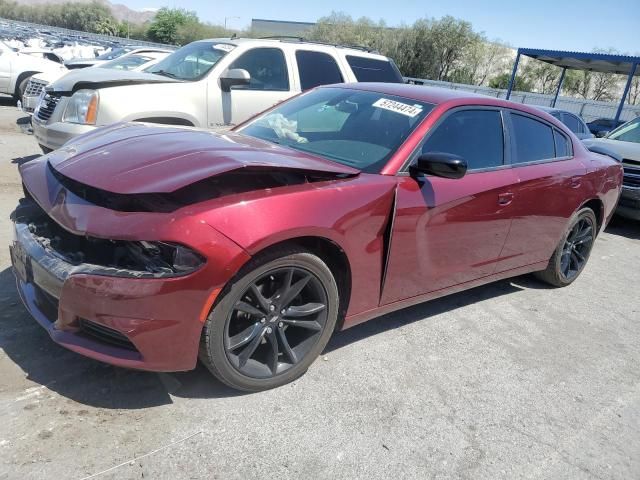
x=550, y=24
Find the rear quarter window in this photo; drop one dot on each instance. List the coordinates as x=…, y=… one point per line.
x=373, y=70
x=563, y=148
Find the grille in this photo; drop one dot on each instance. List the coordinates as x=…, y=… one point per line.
x=105, y=335
x=34, y=87
x=48, y=304
x=47, y=106
x=631, y=173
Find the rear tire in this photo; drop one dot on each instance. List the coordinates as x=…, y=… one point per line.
x=573, y=251
x=265, y=330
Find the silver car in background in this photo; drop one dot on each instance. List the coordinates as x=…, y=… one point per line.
x=571, y=120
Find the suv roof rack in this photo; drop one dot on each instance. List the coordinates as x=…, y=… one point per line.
x=290, y=38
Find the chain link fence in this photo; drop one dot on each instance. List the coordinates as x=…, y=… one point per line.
x=587, y=109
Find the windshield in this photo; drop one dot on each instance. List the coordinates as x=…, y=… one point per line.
x=191, y=62
x=356, y=128
x=127, y=63
x=114, y=53
x=629, y=132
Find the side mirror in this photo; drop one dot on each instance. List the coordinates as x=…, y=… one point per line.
x=233, y=77
x=602, y=134
x=440, y=164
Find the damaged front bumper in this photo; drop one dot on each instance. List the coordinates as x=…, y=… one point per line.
x=145, y=321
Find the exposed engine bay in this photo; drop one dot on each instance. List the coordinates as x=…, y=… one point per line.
x=110, y=257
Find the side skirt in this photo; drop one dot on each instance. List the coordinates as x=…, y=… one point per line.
x=361, y=317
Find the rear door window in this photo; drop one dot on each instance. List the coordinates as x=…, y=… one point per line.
x=475, y=135
x=374, y=70
x=533, y=139
x=317, y=68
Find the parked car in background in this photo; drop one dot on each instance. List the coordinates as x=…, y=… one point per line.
x=150, y=246
x=209, y=84
x=16, y=68
x=574, y=122
x=112, y=54
x=44, y=53
x=601, y=126
x=625, y=141
x=135, y=60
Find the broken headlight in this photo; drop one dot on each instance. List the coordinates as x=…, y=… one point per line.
x=164, y=258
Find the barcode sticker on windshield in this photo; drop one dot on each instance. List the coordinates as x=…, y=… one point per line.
x=398, y=107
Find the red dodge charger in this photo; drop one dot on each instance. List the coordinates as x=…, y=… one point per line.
x=150, y=247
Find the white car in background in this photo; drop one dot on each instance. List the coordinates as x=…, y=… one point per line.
x=45, y=53
x=16, y=68
x=215, y=84
x=625, y=141
x=75, y=63
x=138, y=59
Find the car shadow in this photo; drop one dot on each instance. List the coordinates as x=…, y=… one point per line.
x=624, y=227
x=21, y=160
x=7, y=101
x=426, y=310
x=99, y=385
x=81, y=379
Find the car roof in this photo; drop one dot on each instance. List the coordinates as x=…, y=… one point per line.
x=354, y=50
x=434, y=95
x=438, y=96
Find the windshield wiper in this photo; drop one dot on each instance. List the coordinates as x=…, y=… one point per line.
x=164, y=73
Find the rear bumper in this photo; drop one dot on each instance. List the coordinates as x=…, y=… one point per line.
x=148, y=324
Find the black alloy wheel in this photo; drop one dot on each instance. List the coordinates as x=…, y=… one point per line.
x=276, y=322
x=272, y=321
x=577, y=247
x=572, y=253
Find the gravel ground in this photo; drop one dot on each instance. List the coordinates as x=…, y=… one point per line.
x=511, y=380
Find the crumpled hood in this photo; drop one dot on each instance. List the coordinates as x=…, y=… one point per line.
x=131, y=158
x=95, y=78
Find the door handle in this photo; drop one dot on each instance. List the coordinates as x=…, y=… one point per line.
x=505, y=198
x=575, y=182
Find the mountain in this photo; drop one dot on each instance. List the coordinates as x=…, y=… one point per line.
x=120, y=12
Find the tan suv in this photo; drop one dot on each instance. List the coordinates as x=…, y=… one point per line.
x=212, y=84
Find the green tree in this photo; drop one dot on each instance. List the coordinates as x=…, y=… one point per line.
x=194, y=30
x=522, y=84
x=165, y=25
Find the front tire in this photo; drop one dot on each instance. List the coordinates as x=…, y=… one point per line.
x=22, y=86
x=572, y=253
x=272, y=321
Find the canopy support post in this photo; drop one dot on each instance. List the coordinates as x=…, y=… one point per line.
x=625, y=94
x=512, y=80
x=555, y=99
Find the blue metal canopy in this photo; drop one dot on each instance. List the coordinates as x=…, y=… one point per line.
x=593, y=62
